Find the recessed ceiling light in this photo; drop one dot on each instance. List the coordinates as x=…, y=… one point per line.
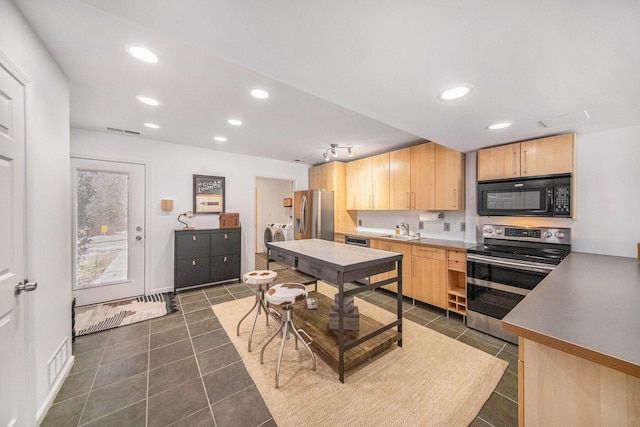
x=152, y=125
x=260, y=94
x=142, y=53
x=234, y=122
x=456, y=92
x=147, y=100
x=220, y=138
x=500, y=125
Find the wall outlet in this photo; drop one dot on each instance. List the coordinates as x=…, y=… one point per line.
x=420, y=225
x=447, y=226
x=463, y=226
x=359, y=222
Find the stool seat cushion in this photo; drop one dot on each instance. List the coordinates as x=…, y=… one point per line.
x=257, y=277
x=286, y=293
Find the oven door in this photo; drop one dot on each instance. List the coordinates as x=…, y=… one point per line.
x=497, y=285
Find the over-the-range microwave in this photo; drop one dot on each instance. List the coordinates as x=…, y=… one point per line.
x=548, y=196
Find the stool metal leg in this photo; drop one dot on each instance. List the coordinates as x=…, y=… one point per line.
x=260, y=304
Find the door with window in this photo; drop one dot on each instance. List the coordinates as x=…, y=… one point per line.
x=109, y=230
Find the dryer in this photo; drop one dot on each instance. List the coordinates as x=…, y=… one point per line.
x=277, y=232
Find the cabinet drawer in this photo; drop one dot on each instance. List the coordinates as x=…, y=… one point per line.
x=457, y=265
x=457, y=255
x=224, y=267
x=192, y=271
x=428, y=252
x=317, y=271
x=226, y=242
x=192, y=245
x=285, y=259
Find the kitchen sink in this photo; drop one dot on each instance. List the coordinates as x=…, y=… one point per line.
x=401, y=237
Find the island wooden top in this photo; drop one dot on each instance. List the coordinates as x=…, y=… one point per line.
x=589, y=306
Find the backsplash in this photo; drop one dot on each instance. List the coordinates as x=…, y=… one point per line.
x=386, y=221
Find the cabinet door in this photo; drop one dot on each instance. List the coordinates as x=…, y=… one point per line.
x=353, y=189
x=499, y=162
x=400, y=179
x=547, y=156
x=225, y=242
x=380, y=182
x=429, y=275
x=423, y=176
x=449, y=179
x=192, y=245
x=225, y=267
x=405, y=250
x=383, y=245
x=191, y=272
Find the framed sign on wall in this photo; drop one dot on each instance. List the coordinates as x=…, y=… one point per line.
x=208, y=194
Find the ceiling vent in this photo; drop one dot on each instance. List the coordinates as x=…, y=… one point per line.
x=566, y=120
x=129, y=132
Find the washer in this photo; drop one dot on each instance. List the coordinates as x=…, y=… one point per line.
x=284, y=231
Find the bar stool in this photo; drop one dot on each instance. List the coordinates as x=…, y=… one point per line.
x=260, y=278
x=285, y=295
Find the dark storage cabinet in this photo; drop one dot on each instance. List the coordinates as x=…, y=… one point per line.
x=206, y=256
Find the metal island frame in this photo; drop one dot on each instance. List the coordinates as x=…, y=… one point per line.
x=338, y=263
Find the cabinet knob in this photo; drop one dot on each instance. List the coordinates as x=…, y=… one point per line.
x=194, y=237
x=225, y=236
x=225, y=259
x=193, y=262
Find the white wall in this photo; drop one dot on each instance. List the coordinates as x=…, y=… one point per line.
x=608, y=175
x=48, y=203
x=170, y=170
x=270, y=209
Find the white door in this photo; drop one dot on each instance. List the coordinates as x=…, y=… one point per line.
x=12, y=251
x=109, y=232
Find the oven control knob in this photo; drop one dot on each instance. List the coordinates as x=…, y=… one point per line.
x=499, y=231
x=547, y=234
x=559, y=235
x=487, y=229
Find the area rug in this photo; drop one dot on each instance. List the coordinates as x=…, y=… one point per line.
x=432, y=380
x=100, y=317
x=261, y=264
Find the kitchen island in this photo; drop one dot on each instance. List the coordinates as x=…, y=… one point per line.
x=579, y=344
x=337, y=263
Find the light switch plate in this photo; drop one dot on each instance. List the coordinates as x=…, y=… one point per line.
x=447, y=226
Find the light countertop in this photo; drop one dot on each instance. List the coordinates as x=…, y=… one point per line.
x=443, y=243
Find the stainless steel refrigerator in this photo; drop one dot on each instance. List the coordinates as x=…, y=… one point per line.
x=313, y=214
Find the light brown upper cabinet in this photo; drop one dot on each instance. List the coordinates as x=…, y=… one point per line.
x=423, y=176
x=545, y=156
x=450, y=175
x=368, y=183
x=400, y=179
x=332, y=177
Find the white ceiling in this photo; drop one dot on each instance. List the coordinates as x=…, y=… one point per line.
x=351, y=72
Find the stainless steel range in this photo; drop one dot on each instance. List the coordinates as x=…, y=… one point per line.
x=506, y=267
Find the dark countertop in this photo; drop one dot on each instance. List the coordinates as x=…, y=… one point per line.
x=443, y=243
x=589, y=306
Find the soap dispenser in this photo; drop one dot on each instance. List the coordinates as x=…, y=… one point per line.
x=397, y=230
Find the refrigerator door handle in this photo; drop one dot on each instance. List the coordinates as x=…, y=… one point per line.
x=303, y=214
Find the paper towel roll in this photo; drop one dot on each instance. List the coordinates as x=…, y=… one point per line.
x=431, y=216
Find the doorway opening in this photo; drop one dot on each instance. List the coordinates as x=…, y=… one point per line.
x=273, y=213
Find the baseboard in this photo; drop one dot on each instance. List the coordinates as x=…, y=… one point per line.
x=167, y=289
x=55, y=388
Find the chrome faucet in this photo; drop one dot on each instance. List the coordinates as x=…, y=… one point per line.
x=406, y=227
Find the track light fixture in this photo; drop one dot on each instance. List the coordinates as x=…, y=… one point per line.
x=333, y=149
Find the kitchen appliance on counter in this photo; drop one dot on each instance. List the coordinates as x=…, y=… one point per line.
x=542, y=196
x=313, y=214
x=506, y=267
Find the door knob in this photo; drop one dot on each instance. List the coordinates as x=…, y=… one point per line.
x=138, y=237
x=25, y=286
x=138, y=228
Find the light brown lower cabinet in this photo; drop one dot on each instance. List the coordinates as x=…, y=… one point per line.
x=405, y=250
x=429, y=275
x=556, y=388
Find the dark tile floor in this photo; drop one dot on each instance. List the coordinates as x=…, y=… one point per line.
x=182, y=370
